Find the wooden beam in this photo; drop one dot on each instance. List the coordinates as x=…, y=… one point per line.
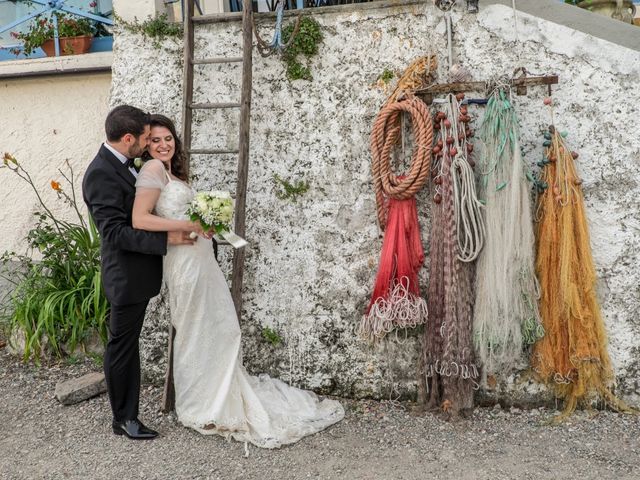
x=520, y=83
x=187, y=79
x=243, y=156
x=169, y=390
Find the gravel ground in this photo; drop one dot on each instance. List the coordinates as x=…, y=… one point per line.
x=41, y=439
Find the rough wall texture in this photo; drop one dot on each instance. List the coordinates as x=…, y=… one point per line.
x=311, y=263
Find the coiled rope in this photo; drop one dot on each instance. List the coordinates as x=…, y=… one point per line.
x=396, y=300
x=469, y=222
x=385, y=134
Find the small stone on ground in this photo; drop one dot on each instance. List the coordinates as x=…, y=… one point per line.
x=76, y=390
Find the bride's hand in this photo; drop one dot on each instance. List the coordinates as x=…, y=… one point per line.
x=194, y=227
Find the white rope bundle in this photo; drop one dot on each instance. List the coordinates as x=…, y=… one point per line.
x=470, y=228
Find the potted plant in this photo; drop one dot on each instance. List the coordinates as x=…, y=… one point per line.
x=75, y=35
x=623, y=10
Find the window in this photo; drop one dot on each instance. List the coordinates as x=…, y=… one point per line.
x=12, y=11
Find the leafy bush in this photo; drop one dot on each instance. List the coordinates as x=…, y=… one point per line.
x=306, y=42
x=58, y=301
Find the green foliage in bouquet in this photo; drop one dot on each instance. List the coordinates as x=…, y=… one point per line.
x=57, y=302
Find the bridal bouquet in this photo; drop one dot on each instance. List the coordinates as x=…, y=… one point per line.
x=214, y=211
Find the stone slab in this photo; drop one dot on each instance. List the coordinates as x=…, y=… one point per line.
x=79, y=389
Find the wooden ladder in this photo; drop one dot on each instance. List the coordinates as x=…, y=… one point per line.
x=188, y=106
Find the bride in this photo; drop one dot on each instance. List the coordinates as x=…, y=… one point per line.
x=214, y=392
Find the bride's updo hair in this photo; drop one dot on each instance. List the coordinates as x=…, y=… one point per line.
x=178, y=161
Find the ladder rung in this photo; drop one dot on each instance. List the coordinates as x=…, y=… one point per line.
x=218, y=17
x=205, y=151
x=212, y=106
x=208, y=61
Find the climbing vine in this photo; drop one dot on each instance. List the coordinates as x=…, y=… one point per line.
x=157, y=29
x=306, y=42
x=289, y=191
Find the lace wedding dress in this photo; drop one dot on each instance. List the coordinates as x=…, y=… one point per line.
x=214, y=392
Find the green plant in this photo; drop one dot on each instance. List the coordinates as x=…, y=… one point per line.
x=97, y=358
x=288, y=191
x=271, y=336
x=157, y=29
x=58, y=301
x=72, y=360
x=306, y=42
x=42, y=29
x=386, y=76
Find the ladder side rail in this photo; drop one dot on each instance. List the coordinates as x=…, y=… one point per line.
x=243, y=156
x=187, y=78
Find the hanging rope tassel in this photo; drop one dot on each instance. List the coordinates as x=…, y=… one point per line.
x=506, y=317
x=572, y=357
x=396, y=301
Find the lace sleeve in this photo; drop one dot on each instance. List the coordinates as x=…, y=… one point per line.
x=152, y=175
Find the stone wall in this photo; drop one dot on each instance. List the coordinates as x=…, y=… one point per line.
x=311, y=263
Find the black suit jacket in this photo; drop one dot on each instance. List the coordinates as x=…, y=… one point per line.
x=131, y=259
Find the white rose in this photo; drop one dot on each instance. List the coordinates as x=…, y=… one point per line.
x=202, y=204
x=220, y=194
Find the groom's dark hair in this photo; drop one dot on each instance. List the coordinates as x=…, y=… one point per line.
x=125, y=119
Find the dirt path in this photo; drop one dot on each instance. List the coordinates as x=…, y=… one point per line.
x=41, y=439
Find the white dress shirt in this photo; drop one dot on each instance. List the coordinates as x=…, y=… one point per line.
x=122, y=158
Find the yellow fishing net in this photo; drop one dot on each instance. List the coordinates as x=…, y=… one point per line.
x=572, y=357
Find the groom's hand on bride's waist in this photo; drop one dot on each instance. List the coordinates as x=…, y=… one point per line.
x=179, y=238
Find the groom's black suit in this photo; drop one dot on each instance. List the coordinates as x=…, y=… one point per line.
x=131, y=274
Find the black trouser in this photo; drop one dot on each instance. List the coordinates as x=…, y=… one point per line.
x=122, y=359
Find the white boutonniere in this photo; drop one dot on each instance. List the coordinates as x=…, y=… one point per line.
x=138, y=163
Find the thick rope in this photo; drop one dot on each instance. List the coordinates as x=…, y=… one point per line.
x=385, y=135
x=419, y=74
x=396, y=300
x=469, y=224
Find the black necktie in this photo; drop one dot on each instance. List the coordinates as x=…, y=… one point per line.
x=130, y=163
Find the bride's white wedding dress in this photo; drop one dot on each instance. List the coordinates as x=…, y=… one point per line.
x=214, y=392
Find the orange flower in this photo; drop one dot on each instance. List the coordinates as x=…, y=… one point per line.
x=55, y=185
x=9, y=158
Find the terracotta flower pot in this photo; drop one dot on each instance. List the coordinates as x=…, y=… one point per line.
x=68, y=45
x=623, y=10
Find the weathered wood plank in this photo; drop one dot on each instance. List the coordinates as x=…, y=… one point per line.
x=214, y=106
x=210, y=61
x=187, y=78
x=243, y=156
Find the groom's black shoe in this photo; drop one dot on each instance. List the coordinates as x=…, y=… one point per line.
x=134, y=429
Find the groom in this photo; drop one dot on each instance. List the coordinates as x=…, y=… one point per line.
x=131, y=260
